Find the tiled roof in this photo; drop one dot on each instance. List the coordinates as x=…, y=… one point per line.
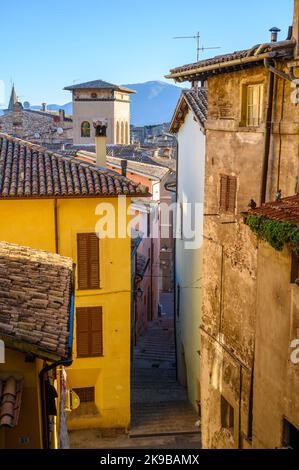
x=255, y=54
x=10, y=400
x=98, y=84
x=196, y=100
x=35, y=299
x=151, y=170
x=28, y=170
x=285, y=210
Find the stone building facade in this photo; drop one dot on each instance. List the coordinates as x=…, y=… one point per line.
x=251, y=155
x=99, y=100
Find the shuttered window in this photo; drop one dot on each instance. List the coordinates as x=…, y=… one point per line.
x=228, y=189
x=89, y=332
x=86, y=394
x=88, y=259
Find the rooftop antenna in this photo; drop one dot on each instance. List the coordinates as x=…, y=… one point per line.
x=198, y=48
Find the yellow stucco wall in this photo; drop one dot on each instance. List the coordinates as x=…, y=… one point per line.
x=28, y=433
x=32, y=223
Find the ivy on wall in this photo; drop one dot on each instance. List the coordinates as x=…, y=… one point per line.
x=276, y=233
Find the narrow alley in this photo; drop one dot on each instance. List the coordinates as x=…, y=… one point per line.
x=161, y=414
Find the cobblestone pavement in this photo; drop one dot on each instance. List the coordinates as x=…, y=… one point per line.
x=162, y=418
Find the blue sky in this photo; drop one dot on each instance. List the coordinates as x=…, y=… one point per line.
x=48, y=44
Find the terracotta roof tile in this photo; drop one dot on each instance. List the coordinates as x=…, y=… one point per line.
x=285, y=210
x=10, y=400
x=195, y=99
x=284, y=48
x=28, y=170
x=35, y=298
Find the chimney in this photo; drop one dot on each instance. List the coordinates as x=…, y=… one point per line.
x=44, y=106
x=101, y=141
x=61, y=115
x=296, y=26
x=274, y=33
x=124, y=165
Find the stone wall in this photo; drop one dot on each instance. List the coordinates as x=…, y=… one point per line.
x=230, y=250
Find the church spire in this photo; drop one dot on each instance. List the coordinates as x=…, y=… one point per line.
x=13, y=98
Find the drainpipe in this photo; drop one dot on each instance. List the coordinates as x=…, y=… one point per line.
x=63, y=362
x=268, y=132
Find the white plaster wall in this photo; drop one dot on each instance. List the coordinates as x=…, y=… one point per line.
x=188, y=259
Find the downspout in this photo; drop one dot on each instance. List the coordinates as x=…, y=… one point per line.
x=268, y=132
x=174, y=257
x=56, y=226
x=63, y=362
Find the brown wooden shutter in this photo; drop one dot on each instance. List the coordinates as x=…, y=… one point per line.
x=228, y=189
x=232, y=189
x=96, y=318
x=82, y=332
x=89, y=332
x=94, y=275
x=88, y=260
x=223, y=192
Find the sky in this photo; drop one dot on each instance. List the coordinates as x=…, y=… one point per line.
x=46, y=45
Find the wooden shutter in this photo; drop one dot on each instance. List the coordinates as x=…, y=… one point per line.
x=223, y=192
x=88, y=261
x=89, y=332
x=231, y=194
x=228, y=189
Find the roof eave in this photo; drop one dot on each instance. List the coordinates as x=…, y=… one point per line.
x=195, y=73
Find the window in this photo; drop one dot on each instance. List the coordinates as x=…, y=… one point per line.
x=122, y=133
x=227, y=415
x=85, y=129
x=117, y=132
x=127, y=133
x=89, y=332
x=94, y=95
x=294, y=268
x=88, y=261
x=85, y=394
x=290, y=436
x=252, y=105
x=228, y=189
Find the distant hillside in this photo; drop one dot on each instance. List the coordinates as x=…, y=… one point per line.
x=153, y=103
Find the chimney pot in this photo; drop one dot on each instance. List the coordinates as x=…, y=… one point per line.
x=124, y=164
x=44, y=106
x=274, y=33
x=101, y=141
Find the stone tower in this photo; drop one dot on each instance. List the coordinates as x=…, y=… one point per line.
x=100, y=101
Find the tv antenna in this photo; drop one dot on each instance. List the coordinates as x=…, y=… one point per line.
x=198, y=48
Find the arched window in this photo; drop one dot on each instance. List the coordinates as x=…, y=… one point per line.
x=122, y=134
x=117, y=132
x=127, y=134
x=85, y=129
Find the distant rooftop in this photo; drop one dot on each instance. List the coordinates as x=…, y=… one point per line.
x=96, y=85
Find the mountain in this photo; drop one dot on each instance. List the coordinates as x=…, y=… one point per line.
x=153, y=103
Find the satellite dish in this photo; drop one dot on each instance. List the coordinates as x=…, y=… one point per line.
x=59, y=130
x=26, y=105
x=37, y=135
